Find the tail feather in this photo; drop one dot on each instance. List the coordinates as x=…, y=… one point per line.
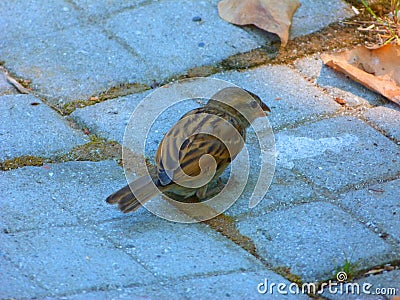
x=141, y=188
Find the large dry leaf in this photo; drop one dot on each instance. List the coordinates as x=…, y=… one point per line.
x=377, y=69
x=270, y=15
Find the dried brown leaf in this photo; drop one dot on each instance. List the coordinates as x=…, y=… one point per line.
x=377, y=69
x=269, y=15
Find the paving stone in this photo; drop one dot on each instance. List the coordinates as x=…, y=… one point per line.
x=236, y=286
x=335, y=83
x=313, y=15
x=33, y=129
x=286, y=189
x=338, y=152
x=63, y=192
x=100, y=8
x=313, y=240
x=73, y=64
x=109, y=119
x=291, y=98
x=241, y=285
x=386, y=119
x=13, y=284
x=377, y=287
x=155, y=291
x=64, y=259
x=377, y=206
x=34, y=18
x=174, y=249
x=178, y=43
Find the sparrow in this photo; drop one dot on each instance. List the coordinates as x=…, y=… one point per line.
x=196, y=150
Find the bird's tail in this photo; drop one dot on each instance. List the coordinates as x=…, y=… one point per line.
x=141, y=188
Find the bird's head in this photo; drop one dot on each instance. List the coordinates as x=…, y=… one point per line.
x=248, y=104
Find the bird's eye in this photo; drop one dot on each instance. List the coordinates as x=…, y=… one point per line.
x=253, y=104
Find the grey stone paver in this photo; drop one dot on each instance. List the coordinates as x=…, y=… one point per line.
x=178, y=43
x=241, y=285
x=26, y=19
x=291, y=98
x=338, y=152
x=328, y=12
x=178, y=249
x=377, y=206
x=335, y=83
x=73, y=64
x=386, y=119
x=33, y=129
x=314, y=239
x=236, y=286
x=286, y=189
x=99, y=8
x=109, y=119
x=68, y=191
x=13, y=283
x=58, y=258
x=375, y=287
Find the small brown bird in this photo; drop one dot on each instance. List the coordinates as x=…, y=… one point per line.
x=196, y=150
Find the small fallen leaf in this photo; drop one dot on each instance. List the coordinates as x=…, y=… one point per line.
x=377, y=69
x=269, y=15
x=375, y=271
x=340, y=101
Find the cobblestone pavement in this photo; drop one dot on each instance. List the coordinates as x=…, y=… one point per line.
x=333, y=204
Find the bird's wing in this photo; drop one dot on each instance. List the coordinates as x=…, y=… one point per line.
x=196, y=134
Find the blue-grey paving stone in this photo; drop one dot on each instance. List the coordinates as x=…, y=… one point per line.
x=56, y=194
x=335, y=83
x=290, y=97
x=375, y=287
x=378, y=206
x=164, y=35
x=314, y=239
x=100, y=8
x=338, y=152
x=65, y=259
x=27, y=201
x=21, y=19
x=27, y=129
x=73, y=64
x=161, y=108
x=313, y=15
x=386, y=119
x=13, y=284
x=81, y=187
x=109, y=119
x=242, y=285
x=156, y=291
x=286, y=189
x=173, y=249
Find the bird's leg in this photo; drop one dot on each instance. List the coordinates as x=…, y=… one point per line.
x=204, y=193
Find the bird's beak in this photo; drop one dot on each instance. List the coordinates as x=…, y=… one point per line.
x=265, y=107
x=265, y=110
